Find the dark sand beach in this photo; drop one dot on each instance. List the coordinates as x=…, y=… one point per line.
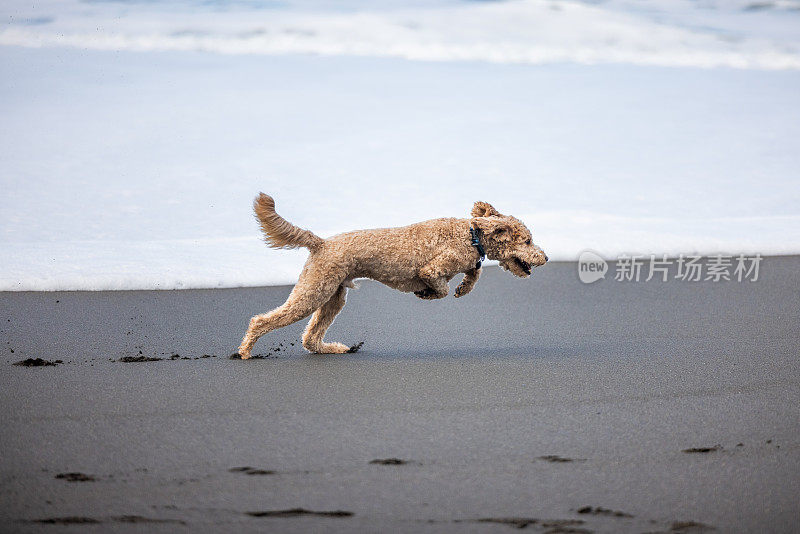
x=543, y=404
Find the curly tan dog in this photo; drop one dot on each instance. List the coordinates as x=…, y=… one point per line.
x=422, y=258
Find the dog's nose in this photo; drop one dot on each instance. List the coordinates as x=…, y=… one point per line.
x=546, y=258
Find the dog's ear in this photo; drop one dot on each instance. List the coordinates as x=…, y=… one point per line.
x=484, y=209
x=494, y=228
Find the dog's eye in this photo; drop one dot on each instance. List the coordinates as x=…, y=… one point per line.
x=528, y=242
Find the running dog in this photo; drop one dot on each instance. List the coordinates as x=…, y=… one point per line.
x=421, y=258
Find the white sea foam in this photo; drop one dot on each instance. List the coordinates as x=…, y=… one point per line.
x=238, y=262
x=696, y=34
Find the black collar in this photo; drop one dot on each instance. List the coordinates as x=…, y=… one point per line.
x=475, y=235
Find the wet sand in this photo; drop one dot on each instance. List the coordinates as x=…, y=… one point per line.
x=543, y=404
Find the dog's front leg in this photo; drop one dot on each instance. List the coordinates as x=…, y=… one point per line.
x=435, y=275
x=466, y=285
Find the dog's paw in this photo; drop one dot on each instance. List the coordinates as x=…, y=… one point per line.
x=460, y=292
x=334, y=348
x=426, y=293
x=328, y=348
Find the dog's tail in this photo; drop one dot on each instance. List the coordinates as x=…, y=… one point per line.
x=278, y=232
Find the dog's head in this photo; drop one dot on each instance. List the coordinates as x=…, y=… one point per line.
x=507, y=240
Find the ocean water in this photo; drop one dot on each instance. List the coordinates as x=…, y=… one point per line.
x=700, y=33
x=135, y=134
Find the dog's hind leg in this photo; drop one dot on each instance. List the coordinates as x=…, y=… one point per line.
x=307, y=296
x=321, y=321
x=284, y=315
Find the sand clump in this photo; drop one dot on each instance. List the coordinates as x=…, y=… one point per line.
x=702, y=450
x=251, y=471
x=75, y=477
x=38, y=362
x=555, y=459
x=133, y=359
x=297, y=512
x=389, y=461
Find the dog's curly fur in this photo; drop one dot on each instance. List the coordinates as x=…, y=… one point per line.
x=421, y=258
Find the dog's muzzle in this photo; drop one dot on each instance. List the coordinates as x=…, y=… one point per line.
x=525, y=266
